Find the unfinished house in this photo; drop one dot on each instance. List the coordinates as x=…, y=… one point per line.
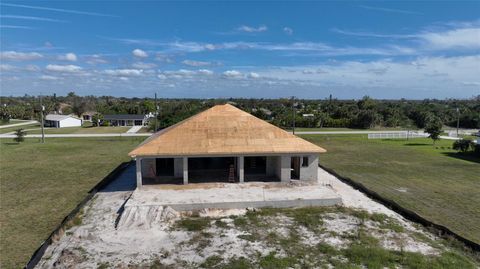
x=224, y=144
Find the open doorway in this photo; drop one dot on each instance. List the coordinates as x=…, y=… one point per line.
x=211, y=169
x=159, y=171
x=295, y=168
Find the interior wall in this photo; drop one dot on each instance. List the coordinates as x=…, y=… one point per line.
x=148, y=168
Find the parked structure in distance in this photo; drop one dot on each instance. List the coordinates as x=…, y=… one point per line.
x=88, y=115
x=60, y=121
x=126, y=119
x=224, y=144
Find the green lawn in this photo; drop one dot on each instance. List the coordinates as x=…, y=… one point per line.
x=82, y=130
x=41, y=183
x=10, y=122
x=434, y=181
x=13, y=129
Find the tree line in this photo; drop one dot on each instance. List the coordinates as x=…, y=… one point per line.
x=364, y=113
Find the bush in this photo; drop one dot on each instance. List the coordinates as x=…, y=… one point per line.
x=463, y=145
x=476, y=150
x=20, y=135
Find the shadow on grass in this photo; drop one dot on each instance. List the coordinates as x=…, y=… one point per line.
x=418, y=144
x=10, y=143
x=463, y=156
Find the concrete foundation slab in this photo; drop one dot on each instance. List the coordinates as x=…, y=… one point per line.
x=230, y=196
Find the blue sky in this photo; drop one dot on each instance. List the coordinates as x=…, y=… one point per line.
x=268, y=49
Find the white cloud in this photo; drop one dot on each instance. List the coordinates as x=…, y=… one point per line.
x=250, y=29
x=31, y=18
x=392, y=10
x=196, y=63
x=20, y=56
x=139, y=53
x=205, y=72
x=426, y=74
x=253, y=75
x=32, y=68
x=7, y=67
x=143, y=65
x=96, y=59
x=68, y=57
x=47, y=77
x=64, y=68
x=288, y=30
x=465, y=38
x=123, y=72
x=232, y=74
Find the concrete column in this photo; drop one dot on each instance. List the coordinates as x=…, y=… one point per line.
x=185, y=170
x=139, y=172
x=178, y=167
x=285, y=168
x=241, y=174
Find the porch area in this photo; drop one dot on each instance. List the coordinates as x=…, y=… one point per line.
x=235, y=196
x=225, y=169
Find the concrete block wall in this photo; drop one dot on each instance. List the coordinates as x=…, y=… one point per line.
x=149, y=168
x=178, y=167
x=271, y=165
x=310, y=172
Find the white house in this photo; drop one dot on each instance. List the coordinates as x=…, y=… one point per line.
x=60, y=121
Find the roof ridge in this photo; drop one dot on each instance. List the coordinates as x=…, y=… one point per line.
x=223, y=129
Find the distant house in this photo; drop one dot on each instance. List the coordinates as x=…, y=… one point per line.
x=60, y=121
x=126, y=119
x=87, y=116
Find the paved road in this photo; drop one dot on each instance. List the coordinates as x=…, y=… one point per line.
x=18, y=124
x=134, y=129
x=78, y=135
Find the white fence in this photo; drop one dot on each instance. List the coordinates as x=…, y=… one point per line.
x=397, y=135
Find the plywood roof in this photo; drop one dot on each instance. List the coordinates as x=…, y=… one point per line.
x=223, y=130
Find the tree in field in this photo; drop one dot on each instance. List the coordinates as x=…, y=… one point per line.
x=366, y=119
x=463, y=145
x=96, y=118
x=19, y=135
x=434, y=128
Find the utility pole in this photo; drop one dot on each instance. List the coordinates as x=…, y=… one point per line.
x=42, y=109
x=156, y=113
x=294, y=113
x=458, y=119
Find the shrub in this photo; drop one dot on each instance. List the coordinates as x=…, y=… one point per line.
x=19, y=135
x=463, y=145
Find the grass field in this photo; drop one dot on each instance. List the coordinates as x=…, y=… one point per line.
x=13, y=129
x=82, y=130
x=434, y=181
x=10, y=122
x=41, y=183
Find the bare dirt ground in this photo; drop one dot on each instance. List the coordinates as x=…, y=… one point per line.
x=112, y=236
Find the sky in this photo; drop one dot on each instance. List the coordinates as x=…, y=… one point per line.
x=259, y=49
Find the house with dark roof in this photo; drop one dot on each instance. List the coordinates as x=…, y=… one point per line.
x=126, y=119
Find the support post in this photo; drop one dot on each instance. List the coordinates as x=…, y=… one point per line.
x=185, y=170
x=139, y=172
x=241, y=174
